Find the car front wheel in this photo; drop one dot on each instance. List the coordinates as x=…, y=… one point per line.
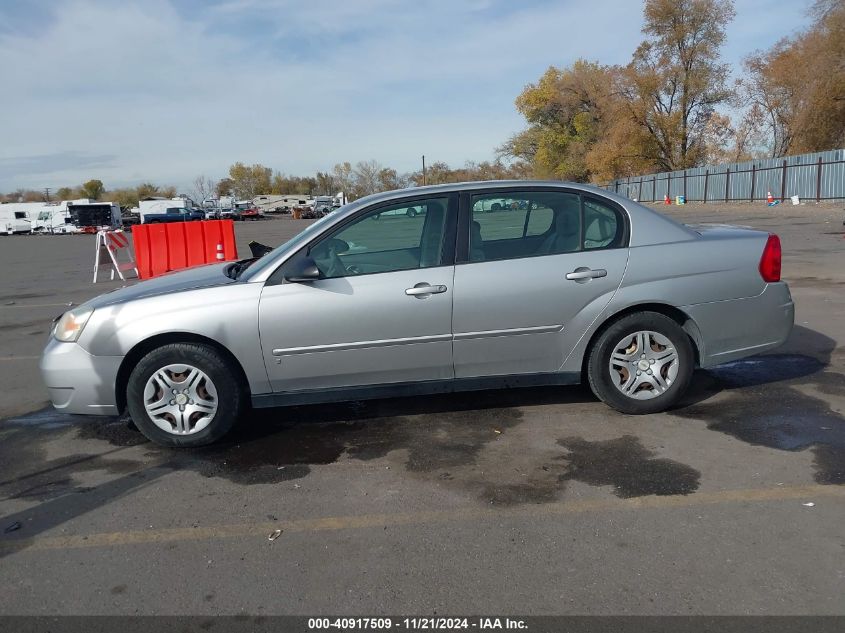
x=641, y=364
x=184, y=394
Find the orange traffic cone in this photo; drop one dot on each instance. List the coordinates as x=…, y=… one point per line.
x=770, y=198
x=666, y=199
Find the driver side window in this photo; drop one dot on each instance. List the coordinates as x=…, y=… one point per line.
x=402, y=236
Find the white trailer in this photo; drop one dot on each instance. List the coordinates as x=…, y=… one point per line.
x=14, y=220
x=67, y=216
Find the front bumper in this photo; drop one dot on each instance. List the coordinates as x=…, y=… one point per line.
x=743, y=327
x=77, y=381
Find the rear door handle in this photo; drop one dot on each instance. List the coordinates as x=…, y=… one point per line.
x=583, y=274
x=422, y=290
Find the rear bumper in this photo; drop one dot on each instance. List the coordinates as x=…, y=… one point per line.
x=743, y=327
x=77, y=381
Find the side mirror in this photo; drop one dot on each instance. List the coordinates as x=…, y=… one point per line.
x=303, y=270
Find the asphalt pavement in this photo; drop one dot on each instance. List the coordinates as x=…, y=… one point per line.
x=529, y=501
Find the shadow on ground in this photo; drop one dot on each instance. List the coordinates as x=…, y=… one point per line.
x=778, y=401
x=475, y=444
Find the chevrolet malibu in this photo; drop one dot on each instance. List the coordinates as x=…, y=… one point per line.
x=572, y=284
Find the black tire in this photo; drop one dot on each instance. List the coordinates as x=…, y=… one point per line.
x=599, y=372
x=496, y=207
x=411, y=213
x=231, y=396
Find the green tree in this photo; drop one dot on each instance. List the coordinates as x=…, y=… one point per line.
x=147, y=190
x=124, y=198
x=65, y=193
x=92, y=189
x=224, y=187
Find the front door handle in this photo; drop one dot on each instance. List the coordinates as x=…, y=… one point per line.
x=583, y=274
x=422, y=290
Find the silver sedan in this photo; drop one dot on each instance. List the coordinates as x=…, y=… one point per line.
x=571, y=284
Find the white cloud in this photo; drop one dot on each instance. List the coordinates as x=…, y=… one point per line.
x=295, y=85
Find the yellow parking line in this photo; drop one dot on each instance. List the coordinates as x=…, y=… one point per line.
x=36, y=305
x=2, y=358
x=353, y=522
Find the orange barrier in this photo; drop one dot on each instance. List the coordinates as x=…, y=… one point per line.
x=160, y=248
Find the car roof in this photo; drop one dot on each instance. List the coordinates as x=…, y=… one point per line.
x=477, y=185
x=647, y=225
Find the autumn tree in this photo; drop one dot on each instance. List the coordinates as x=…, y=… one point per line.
x=325, y=183
x=795, y=91
x=675, y=79
x=439, y=172
x=250, y=181
x=389, y=179
x=92, y=189
x=567, y=111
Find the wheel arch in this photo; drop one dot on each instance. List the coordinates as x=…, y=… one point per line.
x=144, y=347
x=676, y=314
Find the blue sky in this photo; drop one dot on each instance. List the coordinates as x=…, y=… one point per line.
x=165, y=90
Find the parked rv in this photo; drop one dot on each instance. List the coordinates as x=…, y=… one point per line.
x=12, y=222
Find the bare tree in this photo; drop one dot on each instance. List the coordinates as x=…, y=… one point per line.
x=365, y=177
x=203, y=188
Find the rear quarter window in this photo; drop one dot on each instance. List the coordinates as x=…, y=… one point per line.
x=604, y=226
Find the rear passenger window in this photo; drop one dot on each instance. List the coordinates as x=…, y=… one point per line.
x=529, y=224
x=537, y=223
x=539, y=220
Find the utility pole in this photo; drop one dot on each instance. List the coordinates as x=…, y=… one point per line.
x=423, y=169
x=47, y=194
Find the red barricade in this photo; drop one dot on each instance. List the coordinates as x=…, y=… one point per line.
x=160, y=248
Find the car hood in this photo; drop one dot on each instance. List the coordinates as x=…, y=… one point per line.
x=190, y=279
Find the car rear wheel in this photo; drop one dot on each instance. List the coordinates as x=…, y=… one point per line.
x=184, y=394
x=641, y=364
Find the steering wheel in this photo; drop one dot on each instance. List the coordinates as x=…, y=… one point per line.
x=329, y=254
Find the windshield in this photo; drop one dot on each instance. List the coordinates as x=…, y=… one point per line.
x=293, y=243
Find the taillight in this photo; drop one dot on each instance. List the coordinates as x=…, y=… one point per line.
x=770, y=261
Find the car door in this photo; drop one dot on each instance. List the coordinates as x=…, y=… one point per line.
x=381, y=310
x=531, y=277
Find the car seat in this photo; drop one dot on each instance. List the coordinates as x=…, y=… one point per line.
x=476, y=252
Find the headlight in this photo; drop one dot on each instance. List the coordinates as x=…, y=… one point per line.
x=70, y=324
